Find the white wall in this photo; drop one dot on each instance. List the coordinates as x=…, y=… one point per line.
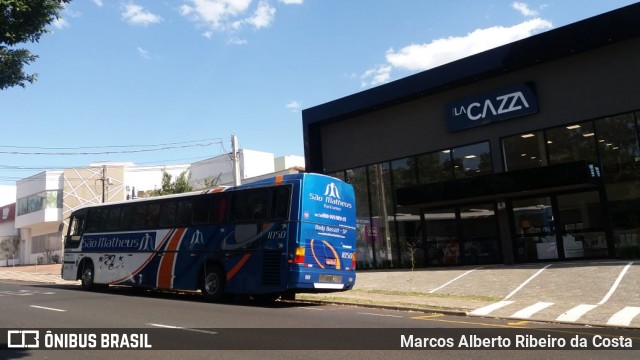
x=288, y=162
x=254, y=163
x=48, y=180
x=7, y=194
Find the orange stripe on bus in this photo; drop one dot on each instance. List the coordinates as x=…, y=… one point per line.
x=279, y=179
x=238, y=266
x=165, y=270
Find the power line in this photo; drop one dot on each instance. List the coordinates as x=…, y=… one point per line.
x=218, y=141
x=107, y=152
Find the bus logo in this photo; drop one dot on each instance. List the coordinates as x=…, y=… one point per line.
x=196, y=238
x=147, y=243
x=332, y=191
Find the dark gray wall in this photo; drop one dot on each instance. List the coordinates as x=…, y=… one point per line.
x=601, y=82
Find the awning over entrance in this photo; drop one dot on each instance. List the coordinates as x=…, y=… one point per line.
x=553, y=178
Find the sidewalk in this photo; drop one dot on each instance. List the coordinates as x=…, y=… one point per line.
x=597, y=293
x=49, y=273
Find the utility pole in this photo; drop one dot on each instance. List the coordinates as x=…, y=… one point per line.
x=104, y=180
x=235, y=157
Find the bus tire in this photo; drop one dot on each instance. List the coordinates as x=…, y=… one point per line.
x=87, y=275
x=212, y=283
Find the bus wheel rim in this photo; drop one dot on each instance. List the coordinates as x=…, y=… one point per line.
x=211, y=283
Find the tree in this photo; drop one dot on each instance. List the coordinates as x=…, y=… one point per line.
x=23, y=21
x=180, y=185
x=9, y=247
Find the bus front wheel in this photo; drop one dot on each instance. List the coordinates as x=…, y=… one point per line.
x=213, y=283
x=87, y=276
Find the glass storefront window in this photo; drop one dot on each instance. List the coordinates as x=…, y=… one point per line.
x=571, y=143
x=404, y=172
x=480, y=241
x=524, y=151
x=337, y=174
x=581, y=225
x=434, y=167
x=382, y=226
x=472, y=160
x=443, y=246
x=535, y=237
x=364, y=245
x=620, y=154
x=618, y=147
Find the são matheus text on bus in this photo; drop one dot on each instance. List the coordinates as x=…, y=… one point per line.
x=268, y=239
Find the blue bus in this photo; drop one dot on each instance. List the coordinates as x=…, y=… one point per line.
x=267, y=239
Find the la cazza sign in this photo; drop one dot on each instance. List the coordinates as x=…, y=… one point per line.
x=491, y=107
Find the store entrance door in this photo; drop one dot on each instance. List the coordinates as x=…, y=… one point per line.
x=562, y=226
x=534, y=230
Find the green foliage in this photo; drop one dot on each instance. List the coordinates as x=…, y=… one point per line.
x=23, y=21
x=180, y=185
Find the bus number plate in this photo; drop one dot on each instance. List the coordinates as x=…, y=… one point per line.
x=331, y=278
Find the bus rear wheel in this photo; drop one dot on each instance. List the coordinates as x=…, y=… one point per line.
x=213, y=283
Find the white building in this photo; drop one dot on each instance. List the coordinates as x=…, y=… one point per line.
x=7, y=194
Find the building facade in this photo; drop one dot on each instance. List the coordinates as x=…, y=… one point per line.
x=523, y=153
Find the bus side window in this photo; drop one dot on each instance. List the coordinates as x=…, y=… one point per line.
x=218, y=213
x=113, y=219
x=280, y=203
x=168, y=214
x=183, y=217
x=139, y=217
x=250, y=205
x=200, y=209
x=125, y=217
x=153, y=215
x=97, y=220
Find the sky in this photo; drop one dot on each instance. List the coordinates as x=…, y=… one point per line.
x=161, y=82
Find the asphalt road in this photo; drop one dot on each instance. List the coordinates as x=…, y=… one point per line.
x=239, y=330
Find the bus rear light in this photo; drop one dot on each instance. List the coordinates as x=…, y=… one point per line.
x=299, y=258
x=353, y=261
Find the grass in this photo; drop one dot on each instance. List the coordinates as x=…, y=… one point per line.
x=395, y=301
x=427, y=295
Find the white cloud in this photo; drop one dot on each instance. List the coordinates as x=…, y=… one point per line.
x=215, y=14
x=236, y=41
x=523, y=9
x=60, y=23
x=144, y=53
x=293, y=106
x=419, y=57
x=263, y=16
x=378, y=75
x=223, y=15
x=291, y=2
x=98, y=3
x=137, y=15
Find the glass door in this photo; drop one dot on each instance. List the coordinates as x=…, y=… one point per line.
x=479, y=231
x=581, y=225
x=535, y=233
x=442, y=247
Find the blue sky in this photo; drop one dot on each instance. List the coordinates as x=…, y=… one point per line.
x=168, y=81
